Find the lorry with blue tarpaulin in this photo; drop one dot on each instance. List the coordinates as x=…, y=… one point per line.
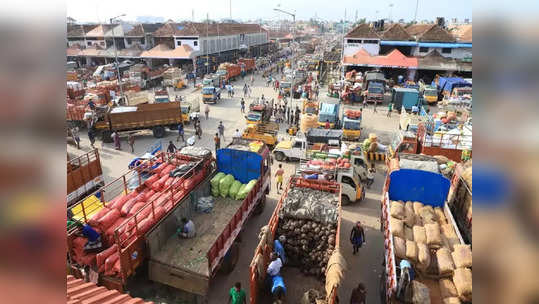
x=405, y=98
x=446, y=85
x=329, y=111
x=414, y=178
x=189, y=264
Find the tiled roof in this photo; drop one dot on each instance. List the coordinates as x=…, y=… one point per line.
x=396, y=32
x=139, y=30
x=394, y=59
x=73, y=51
x=201, y=29
x=463, y=33
x=78, y=30
x=429, y=33
x=163, y=51
x=80, y=292
x=99, y=31
x=362, y=31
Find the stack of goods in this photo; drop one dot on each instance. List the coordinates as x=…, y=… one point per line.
x=308, y=220
x=308, y=121
x=353, y=114
x=172, y=73
x=74, y=89
x=370, y=144
x=328, y=164
x=225, y=185
x=149, y=203
x=423, y=235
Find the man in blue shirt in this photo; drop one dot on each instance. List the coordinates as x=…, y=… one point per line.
x=94, y=238
x=180, y=132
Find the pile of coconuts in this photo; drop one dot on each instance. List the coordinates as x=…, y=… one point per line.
x=308, y=220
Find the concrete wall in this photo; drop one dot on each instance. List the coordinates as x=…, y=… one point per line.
x=457, y=53
x=192, y=41
x=231, y=42
x=350, y=48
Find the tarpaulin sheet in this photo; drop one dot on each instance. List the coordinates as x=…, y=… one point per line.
x=328, y=108
x=416, y=185
x=243, y=165
x=448, y=83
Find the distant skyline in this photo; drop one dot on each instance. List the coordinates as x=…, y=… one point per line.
x=101, y=11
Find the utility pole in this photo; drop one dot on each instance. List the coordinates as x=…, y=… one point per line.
x=294, y=24
x=415, y=15
x=192, y=15
x=230, y=6
x=116, y=57
x=390, y=11
x=207, y=44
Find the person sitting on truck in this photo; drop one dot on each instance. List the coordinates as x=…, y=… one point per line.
x=278, y=289
x=357, y=236
x=94, y=238
x=236, y=295
x=237, y=134
x=187, y=230
x=327, y=126
x=278, y=248
x=274, y=267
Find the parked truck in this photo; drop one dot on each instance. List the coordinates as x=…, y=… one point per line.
x=446, y=85
x=155, y=117
x=375, y=92
x=190, y=109
x=228, y=71
x=303, y=144
x=247, y=65
x=405, y=182
x=264, y=132
x=277, y=225
x=190, y=264
x=211, y=80
x=351, y=125
x=452, y=146
x=460, y=199
x=84, y=175
x=125, y=210
x=329, y=112
x=211, y=94
x=405, y=98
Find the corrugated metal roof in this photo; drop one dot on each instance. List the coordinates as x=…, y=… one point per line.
x=80, y=292
x=362, y=31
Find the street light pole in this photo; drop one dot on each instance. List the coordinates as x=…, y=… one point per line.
x=294, y=23
x=116, y=58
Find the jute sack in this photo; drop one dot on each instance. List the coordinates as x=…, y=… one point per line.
x=417, y=207
x=423, y=256
x=447, y=288
x=409, y=215
x=440, y=215
x=445, y=262
x=397, y=209
x=335, y=271
x=462, y=277
x=408, y=233
x=421, y=293
x=462, y=256
x=420, y=236
x=427, y=215
x=432, y=231
x=400, y=247
x=452, y=300
x=411, y=251
x=397, y=227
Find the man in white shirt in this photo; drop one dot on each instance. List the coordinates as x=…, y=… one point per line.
x=237, y=134
x=187, y=230
x=274, y=267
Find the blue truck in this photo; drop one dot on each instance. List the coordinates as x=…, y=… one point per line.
x=329, y=111
x=405, y=97
x=446, y=85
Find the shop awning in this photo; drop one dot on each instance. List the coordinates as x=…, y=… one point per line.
x=395, y=59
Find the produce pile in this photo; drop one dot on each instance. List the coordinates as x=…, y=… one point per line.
x=329, y=164
x=308, y=220
x=423, y=235
x=354, y=114
x=225, y=185
x=119, y=213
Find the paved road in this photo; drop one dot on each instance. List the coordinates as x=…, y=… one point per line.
x=364, y=267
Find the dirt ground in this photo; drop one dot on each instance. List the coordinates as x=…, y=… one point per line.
x=363, y=267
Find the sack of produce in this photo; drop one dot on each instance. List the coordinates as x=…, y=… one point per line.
x=462, y=277
x=420, y=292
x=215, y=180
x=236, y=185
x=242, y=188
x=451, y=238
x=439, y=212
x=447, y=288
x=420, y=236
x=445, y=262
x=411, y=251
x=423, y=256
x=452, y=300
x=397, y=209
x=427, y=215
x=397, y=227
x=408, y=233
x=400, y=247
x=409, y=216
x=417, y=220
x=224, y=185
x=462, y=256
x=432, y=231
x=417, y=207
x=242, y=194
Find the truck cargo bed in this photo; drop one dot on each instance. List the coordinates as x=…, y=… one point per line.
x=191, y=254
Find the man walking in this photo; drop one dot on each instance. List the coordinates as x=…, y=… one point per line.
x=374, y=107
x=207, y=111
x=180, y=132
x=279, y=178
x=221, y=129
x=171, y=147
x=131, y=141
x=236, y=295
x=217, y=141
x=357, y=236
x=389, y=109
x=91, y=136
x=237, y=134
x=242, y=104
x=116, y=139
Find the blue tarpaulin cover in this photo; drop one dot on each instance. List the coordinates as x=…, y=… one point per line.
x=448, y=83
x=243, y=165
x=417, y=185
x=328, y=108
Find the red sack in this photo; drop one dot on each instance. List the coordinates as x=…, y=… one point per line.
x=136, y=208
x=79, y=242
x=189, y=184
x=159, y=213
x=168, y=206
x=119, y=200
x=158, y=185
x=141, y=196
x=128, y=205
x=167, y=170
x=152, y=179
x=87, y=259
x=116, y=267
x=170, y=181
x=162, y=199
x=113, y=227
x=148, y=195
x=103, y=255
x=109, y=263
x=145, y=225
x=106, y=221
x=159, y=168
x=94, y=220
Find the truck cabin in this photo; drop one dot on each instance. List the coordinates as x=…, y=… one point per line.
x=208, y=91
x=254, y=116
x=324, y=117
x=207, y=81
x=375, y=92
x=351, y=124
x=462, y=92
x=286, y=85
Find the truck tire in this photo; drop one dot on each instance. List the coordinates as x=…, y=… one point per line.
x=105, y=136
x=259, y=208
x=345, y=200
x=279, y=156
x=230, y=259
x=158, y=132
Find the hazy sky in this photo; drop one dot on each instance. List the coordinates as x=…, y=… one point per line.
x=101, y=10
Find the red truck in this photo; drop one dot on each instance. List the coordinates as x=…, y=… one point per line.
x=454, y=147
x=124, y=210
x=190, y=264
x=247, y=64
x=228, y=71
x=84, y=175
x=261, y=257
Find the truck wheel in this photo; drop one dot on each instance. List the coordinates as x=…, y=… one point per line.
x=230, y=259
x=158, y=132
x=105, y=136
x=259, y=208
x=345, y=200
x=279, y=156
